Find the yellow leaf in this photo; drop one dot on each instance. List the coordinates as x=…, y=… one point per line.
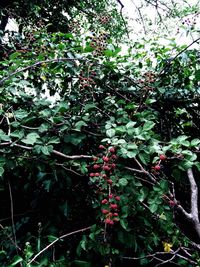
x=167, y=246
x=43, y=78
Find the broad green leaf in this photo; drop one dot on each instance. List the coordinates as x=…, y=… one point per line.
x=148, y=125
x=110, y=133
x=123, y=181
x=153, y=208
x=79, y=125
x=195, y=142
x=131, y=146
x=130, y=124
x=45, y=150
x=132, y=154
x=21, y=114
x=17, y=133
x=144, y=157
x=4, y=137
x=30, y=139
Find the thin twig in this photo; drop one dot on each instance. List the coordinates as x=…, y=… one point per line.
x=182, y=51
x=12, y=216
x=56, y=240
x=70, y=170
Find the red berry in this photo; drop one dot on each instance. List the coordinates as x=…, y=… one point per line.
x=97, y=174
x=92, y=174
x=113, y=206
x=104, y=176
x=115, y=214
x=96, y=166
x=112, y=150
x=104, y=201
x=106, y=168
x=113, y=157
x=172, y=203
x=105, y=211
x=101, y=147
x=157, y=167
x=117, y=198
x=113, y=165
x=110, y=196
x=163, y=157
x=105, y=159
x=109, y=181
x=109, y=221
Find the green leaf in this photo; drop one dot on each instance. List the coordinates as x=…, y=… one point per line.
x=79, y=125
x=54, y=140
x=144, y=157
x=17, y=133
x=110, y=133
x=130, y=124
x=181, y=138
x=17, y=259
x=197, y=75
x=45, y=150
x=132, y=154
x=21, y=114
x=185, y=143
x=132, y=146
x=4, y=137
x=51, y=238
x=123, y=181
x=195, y=142
x=124, y=224
x=153, y=208
x=30, y=139
x=148, y=125
x=74, y=139
x=1, y=171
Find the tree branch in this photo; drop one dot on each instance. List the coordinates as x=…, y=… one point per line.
x=172, y=59
x=54, y=151
x=56, y=240
x=39, y=63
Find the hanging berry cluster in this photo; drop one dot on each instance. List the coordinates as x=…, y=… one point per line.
x=104, y=19
x=158, y=165
x=99, y=43
x=86, y=78
x=102, y=175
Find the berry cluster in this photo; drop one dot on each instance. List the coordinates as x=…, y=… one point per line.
x=74, y=27
x=104, y=19
x=190, y=23
x=102, y=175
x=99, y=43
x=157, y=167
x=86, y=79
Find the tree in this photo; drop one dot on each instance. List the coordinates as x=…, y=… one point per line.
x=103, y=170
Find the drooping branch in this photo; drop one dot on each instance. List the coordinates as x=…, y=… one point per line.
x=53, y=151
x=37, y=64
